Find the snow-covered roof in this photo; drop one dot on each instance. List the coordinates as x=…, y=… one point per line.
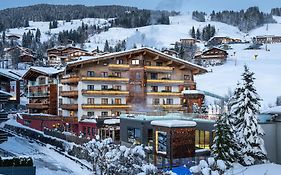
x=5, y=93
x=44, y=70
x=192, y=92
x=111, y=121
x=174, y=123
x=10, y=73
x=273, y=110
x=85, y=59
x=89, y=120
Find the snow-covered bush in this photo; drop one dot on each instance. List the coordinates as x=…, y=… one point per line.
x=110, y=158
x=209, y=167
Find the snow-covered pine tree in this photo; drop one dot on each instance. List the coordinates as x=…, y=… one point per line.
x=246, y=128
x=233, y=101
x=224, y=146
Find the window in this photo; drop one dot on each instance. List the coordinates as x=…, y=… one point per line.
x=169, y=101
x=104, y=101
x=119, y=62
x=117, y=101
x=156, y=101
x=42, y=80
x=71, y=114
x=104, y=113
x=104, y=87
x=186, y=77
x=168, y=88
x=159, y=63
x=134, y=135
x=60, y=101
x=91, y=101
x=117, y=87
x=135, y=62
x=137, y=88
x=116, y=74
x=154, y=88
x=154, y=76
x=90, y=114
x=90, y=87
x=90, y=73
x=104, y=74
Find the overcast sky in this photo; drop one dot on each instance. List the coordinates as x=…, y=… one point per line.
x=183, y=5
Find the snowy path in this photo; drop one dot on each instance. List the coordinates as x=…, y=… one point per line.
x=47, y=161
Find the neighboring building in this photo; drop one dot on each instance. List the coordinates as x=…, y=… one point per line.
x=189, y=41
x=105, y=86
x=213, y=56
x=218, y=40
x=136, y=128
x=10, y=82
x=171, y=52
x=42, y=90
x=4, y=98
x=17, y=55
x=267, y=39
x=62, y=55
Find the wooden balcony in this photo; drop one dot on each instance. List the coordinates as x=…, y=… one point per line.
x=69, y=94
x=175, y=106
x=38, y=106
x=159, y=69
x=39, y=95
x=73, y=107
x=70, y=119
x=105, y=106
x=164, y=93
x=73, y=79
x=165, y=81
x=106, y=79
x=105, y=92
x=121, y=67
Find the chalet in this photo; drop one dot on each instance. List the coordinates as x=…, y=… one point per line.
x=24, y=55
x=213, y=56
x=10, y=83
x=4, y=98
x=62, y=55
x=267, y=39
x=218, y=40
x=171, y=52
x=188, y=41
x=105, y=86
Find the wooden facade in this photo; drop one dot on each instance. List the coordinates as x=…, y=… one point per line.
x=267, y=39
x=217, y=40
x=212, y=56
x=134, y=80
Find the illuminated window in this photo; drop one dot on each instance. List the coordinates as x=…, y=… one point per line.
x=135, y=62
x=117, y=101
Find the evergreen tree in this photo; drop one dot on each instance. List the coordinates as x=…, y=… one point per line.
x=106, y=47
x=37, y=35
x=248, y=132
x=224, y=146
x=198, y=34
x=192, y=32
x=26, y=23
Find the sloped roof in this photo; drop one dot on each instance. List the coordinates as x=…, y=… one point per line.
x=90, y=59
x=47, y=71
x=11, y=74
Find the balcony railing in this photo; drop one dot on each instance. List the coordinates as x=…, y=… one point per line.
x=73, y=107
x=168, y=106
x=108, y=79
x=158, y=68
x=164, y=93
x=70, y=94
x=105, y=106
x=38, y=105
x=164, y=81
x=70, y=79
x=105, y=92
x=118, y=66
x=38, y=95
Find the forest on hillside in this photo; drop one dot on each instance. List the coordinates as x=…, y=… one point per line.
x=124, y=16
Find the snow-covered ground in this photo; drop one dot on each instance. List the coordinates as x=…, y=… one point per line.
x=263, y=169
x=267, y=69
x=46, y=160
